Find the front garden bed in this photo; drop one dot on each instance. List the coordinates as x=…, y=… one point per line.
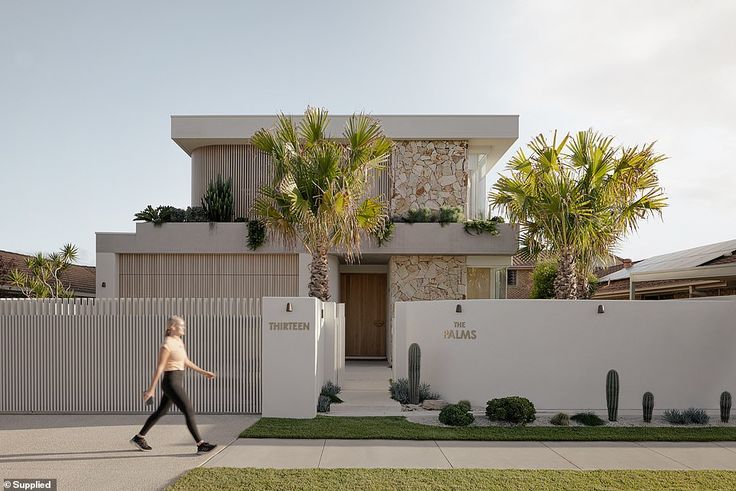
x=399, y=428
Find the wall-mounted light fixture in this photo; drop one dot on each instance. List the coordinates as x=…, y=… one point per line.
x=289, y=308
x=104, y=284
x=601, y=309
x=459, y=308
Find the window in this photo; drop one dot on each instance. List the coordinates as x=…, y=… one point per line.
x=484, y=282
x=511, y=278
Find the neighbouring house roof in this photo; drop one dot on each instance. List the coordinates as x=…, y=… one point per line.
x=621, y=287
x=711, y=254
x=81, y=279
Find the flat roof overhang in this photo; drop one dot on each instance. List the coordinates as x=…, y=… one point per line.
x=499, y=131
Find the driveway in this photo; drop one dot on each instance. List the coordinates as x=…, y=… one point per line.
x=92, y=451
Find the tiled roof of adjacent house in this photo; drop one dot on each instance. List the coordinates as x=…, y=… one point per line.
x=689, y=258
x=80, y=279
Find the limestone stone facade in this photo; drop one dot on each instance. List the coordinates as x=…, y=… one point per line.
x=427, y=278
x=428, y=174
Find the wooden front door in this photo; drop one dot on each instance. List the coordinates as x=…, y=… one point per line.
x=364, y=296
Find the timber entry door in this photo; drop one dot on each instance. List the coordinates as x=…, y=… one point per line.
x=364, y=296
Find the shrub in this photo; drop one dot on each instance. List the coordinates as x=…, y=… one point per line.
x=400, y=391
x=149, y=214
x=240, y=220
x=481, y=226
x=419, y=215
x=514, y=410
x=587, y=419
x=331, y=390
x=256, y=234
x=456, y=415
x=323, y=404
x=687, y=417
x=195, y=214
x=450, y=214
x=543, y=280
x=465, y=404
x=218, y=200
x=172, y=214
x=560, y=419
x=385, y=233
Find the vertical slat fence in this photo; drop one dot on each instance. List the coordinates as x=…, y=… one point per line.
x=98, y=355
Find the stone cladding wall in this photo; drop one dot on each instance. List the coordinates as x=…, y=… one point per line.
x=428, y=174
x=427, y=278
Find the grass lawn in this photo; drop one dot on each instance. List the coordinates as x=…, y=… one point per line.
x=412, y=479
x=398, y=428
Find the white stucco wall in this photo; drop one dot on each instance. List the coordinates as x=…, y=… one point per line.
x=557, y=353
x=292, y=375
x=107, y=271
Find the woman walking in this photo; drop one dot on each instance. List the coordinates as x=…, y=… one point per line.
x=172, y=361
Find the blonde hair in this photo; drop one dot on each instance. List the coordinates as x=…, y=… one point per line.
x=173, y=321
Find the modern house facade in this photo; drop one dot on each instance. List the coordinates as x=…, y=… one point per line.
x=437, y=161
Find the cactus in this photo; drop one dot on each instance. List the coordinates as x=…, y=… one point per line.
x=725, y=406
x=415, y=359
x=612, y=394
x=647, y=405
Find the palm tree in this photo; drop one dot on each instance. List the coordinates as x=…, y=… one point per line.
x=43, y=279
x=578, y=199
x=319, y=191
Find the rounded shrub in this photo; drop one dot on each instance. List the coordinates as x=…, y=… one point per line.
x=465, y=404
x=560, y=419
x=456, y=415
x=515, y=410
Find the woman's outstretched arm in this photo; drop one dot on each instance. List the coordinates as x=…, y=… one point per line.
x=190, y=364
x=163, y=356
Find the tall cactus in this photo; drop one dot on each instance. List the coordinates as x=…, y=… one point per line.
x=647, y=405
x=415, y=360
x=612, y=394
x=725, y=406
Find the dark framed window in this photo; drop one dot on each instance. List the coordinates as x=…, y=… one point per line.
x=511, y=277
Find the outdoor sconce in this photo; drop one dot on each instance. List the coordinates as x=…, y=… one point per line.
x=289, y=308
x=104, y=284
x=459, y=309
x=601, y=309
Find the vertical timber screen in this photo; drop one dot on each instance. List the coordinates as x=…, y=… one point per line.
x=98, y=355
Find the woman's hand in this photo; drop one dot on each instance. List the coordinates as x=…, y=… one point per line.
x=209, y=375
x=147, y=395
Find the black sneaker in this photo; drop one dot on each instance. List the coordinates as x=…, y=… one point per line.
x=204, y=447
x=140, y=443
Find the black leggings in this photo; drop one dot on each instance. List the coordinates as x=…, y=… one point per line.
x=173, y=392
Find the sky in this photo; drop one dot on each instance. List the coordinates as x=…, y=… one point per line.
x=87, y=89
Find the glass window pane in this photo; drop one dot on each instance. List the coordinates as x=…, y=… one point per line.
x=479, y=283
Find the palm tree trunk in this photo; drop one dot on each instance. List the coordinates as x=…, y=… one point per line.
x=566, y=284
x=318, y=284
x=583, y=287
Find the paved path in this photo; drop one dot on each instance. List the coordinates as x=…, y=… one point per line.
x=92, y=451
x=279, y=453
x=365, y=391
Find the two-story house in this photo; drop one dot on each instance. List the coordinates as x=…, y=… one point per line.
x=437, y=161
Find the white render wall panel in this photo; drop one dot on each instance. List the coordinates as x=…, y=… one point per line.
x=557, y=353
x=98, y=355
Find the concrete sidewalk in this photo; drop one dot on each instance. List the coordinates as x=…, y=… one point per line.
x=283, y=453
x=92, y=452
